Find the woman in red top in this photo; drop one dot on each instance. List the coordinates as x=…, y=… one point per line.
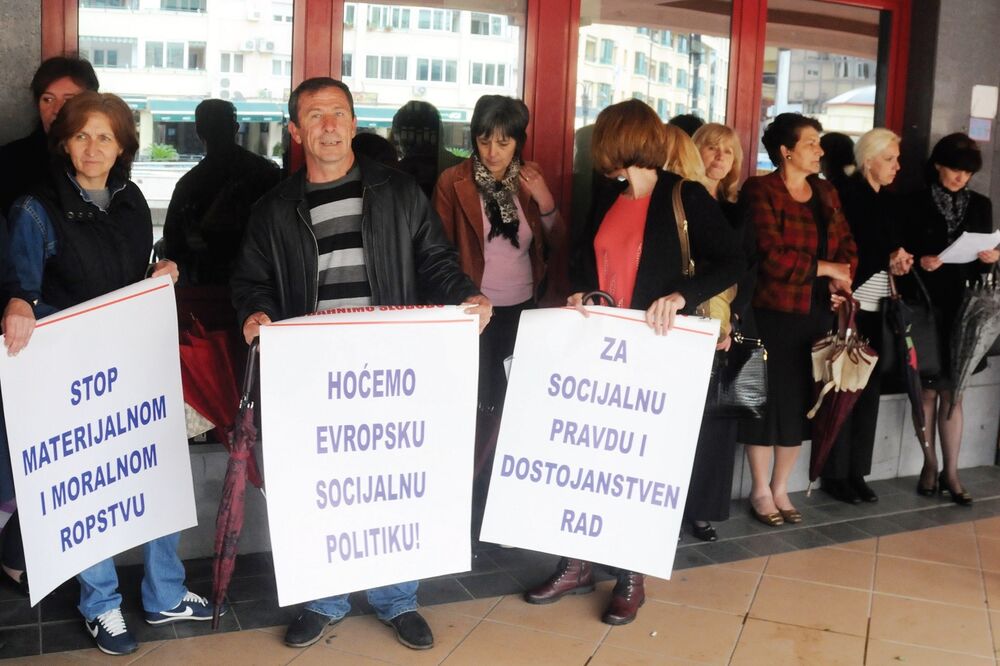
x=630, y=249
x=806, y=254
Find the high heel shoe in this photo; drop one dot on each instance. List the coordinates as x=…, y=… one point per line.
x=923, y=490
x=962, y=499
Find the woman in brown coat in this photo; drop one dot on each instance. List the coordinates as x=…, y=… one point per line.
x=498, y=211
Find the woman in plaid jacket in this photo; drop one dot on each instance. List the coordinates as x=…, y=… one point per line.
x=807, y=257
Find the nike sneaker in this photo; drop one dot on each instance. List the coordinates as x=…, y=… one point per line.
x=111, y=634
x=191, y=607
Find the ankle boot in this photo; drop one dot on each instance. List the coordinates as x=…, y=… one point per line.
x=629, y=594
x=571, y=577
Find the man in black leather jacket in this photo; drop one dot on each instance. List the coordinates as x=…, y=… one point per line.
x=293, y=262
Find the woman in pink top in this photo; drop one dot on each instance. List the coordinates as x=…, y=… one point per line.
x=630, y=248
x=498, y=211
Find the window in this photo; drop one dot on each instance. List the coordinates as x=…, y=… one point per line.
x=590, y=50
x=641, y=63
x=109, y=4
x=437, y=70
x=663, y=109
x=196, y=55
x=488, y=74
x=604, y=95
x=813, y=70
x=680, y=109
x=438, y=19
x=183, y=5
x=382, y=17
x=642, y=31
x=864, y=70
x=666, y=38
x=349, y=16
x=607, y=52
x=231, y=62
x=486, y=24
x=154, y=54
x=109, y=51
x=175, y=55
x=638, y=95
x=682, y=44
x=682, y=79
x=385, y=67
x=664, y=73
x=281, y=67
x=347, y=65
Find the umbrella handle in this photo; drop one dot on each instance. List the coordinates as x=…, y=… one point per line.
x=845, y=316
x=250, y=371
x=597, y=296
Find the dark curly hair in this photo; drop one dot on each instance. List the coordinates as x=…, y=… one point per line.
x=784, y=131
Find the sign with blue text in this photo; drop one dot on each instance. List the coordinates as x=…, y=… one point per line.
x=95, y=421
x=368, y=420
x=598, y=435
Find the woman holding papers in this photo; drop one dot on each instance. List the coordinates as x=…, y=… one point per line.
x=630, y=248
x=86, y=233
x=939, y=215
x=806, y=255
x=872, y=212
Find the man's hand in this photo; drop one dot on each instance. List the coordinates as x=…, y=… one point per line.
x=251, y=327
x=18, y=325
x=165, y=267
x=477, y=305
x=662, y=314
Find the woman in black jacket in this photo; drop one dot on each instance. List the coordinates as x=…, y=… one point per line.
x=630, y=248
x=872, y=212
x=940, y=213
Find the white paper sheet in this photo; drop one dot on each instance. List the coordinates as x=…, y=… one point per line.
x=968, y=245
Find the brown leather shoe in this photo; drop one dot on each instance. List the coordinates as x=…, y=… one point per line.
x=571, y=577
x=629, y=594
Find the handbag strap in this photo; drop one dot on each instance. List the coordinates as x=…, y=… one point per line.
x=687, y=264
x=597, y=296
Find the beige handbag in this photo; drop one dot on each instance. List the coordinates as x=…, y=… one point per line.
x=718, y=306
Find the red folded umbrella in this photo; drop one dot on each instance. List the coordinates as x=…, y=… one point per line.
x=229, y=522
x=208, y=378
x=842, y=364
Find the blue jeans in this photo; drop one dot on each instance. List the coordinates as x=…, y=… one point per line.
x=162, y=581
x=389, y=601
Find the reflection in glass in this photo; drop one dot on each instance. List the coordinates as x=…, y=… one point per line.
x=417, y=72
x=672, y=55
x=820, y=59
x=165, y=56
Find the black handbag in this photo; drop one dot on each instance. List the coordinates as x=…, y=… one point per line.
x=737, y=388
x=923, y=330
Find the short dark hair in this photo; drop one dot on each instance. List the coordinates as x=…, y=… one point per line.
x=784, y=131
x=78, y=109
x=498, y=113
x=312, y=85
x=376, y=147
x=628, y=134
x=957, y=151
x=688, y=122
x=215, y=120
x=58, y=67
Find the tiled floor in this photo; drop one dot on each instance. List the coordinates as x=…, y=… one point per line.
x=904, y=581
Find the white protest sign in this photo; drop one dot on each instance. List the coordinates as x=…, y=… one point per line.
x=95, y=419
x=368, y=422
x=598, y=435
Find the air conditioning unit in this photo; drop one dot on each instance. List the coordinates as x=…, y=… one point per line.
x=265, y=46
x=223, y=83
x=253, y=14
x=249, y=45
x=419, y=91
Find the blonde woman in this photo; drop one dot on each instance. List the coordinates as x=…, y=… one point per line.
x=872, y=212
x=716, y=150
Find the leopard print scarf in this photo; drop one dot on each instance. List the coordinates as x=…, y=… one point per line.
x=498, y=199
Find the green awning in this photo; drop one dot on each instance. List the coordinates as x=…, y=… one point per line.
x=182, y=111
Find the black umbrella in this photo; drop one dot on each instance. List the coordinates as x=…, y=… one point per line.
x=977, y=325
x=900, y=321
